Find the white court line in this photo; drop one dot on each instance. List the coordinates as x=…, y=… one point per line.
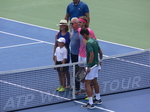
x=127, y=61
x=131, y=62
x=57, y=30
x=20, y=45
x=28, y=24
x=26, y=37
x=2, y=81
x=40, y=41
x=119, y=44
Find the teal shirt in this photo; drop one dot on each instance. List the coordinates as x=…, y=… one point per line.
x=92, y=46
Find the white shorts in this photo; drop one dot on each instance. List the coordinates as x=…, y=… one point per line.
x=81, y=59
x=92, y=74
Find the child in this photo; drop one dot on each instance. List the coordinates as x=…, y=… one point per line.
x=60, y=57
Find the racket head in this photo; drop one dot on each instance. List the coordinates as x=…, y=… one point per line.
x=80, y=75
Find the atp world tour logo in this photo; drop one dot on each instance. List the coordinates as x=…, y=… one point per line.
x=40, y=98
x=31, y=100
x=122, y=84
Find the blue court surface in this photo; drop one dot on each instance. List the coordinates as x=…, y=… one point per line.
x=24, y=46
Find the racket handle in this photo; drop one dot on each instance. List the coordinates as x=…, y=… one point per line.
x=91, y=67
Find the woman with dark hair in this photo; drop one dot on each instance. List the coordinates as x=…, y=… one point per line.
x=63, y=33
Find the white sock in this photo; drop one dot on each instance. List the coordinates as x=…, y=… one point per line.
x=98, y=97
x=90, y=100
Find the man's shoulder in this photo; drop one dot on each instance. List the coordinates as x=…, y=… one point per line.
x=70, y=4
x=91, y=39
x=81, y=2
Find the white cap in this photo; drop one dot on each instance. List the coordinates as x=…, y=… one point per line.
x=61, y=39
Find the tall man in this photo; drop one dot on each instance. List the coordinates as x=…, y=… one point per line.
x=92, y=51
x=74, y=45
x=76, y=9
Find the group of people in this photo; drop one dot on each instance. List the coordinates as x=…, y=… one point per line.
x=79, y=45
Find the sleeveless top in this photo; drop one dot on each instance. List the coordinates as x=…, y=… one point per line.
x=67, y=38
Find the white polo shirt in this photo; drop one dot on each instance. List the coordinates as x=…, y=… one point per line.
x=61, y=53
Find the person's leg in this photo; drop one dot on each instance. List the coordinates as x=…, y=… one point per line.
x=68, y=78
x=63, y=81
x=89, y=91
x=88, y=88
x=97, y=91
x=74, y=58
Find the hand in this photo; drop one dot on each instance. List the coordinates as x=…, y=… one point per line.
x=88, y=70
x=61, y=68
x=100, y=63
x=54, y=58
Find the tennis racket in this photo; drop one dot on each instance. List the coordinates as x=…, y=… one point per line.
x=81, y=74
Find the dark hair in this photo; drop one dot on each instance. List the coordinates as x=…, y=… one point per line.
x=66, y=29
x=84, y=31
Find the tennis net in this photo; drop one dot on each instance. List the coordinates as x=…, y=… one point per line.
x=34, y=87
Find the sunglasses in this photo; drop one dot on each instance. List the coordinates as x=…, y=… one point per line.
x=71, y=23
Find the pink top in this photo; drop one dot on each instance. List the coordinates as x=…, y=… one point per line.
x=82, y=49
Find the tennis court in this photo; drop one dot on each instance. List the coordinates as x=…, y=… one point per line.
x=27, y=49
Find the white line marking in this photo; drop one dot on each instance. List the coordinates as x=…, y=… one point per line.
x=131, y=62
x=95, y=106
x=40, y=41
x=20, y=45
x=57, y=30
x=2, y=81
x=128, y=61
x=119, y=44
x=32, y=89
x=26, y=37
x=28, y=24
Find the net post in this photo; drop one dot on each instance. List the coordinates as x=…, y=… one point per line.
x=73, y=80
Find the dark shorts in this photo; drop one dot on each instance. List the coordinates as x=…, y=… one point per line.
x=74, y=58
x=66, y=68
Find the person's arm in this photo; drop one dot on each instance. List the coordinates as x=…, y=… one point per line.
x=55, y=59
x=67, y=17
x=88, y=17
x=64, y=58
x=90, y=61
x=63, y=61
x=91, y=58
x=100, y=56
x=56, y=45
